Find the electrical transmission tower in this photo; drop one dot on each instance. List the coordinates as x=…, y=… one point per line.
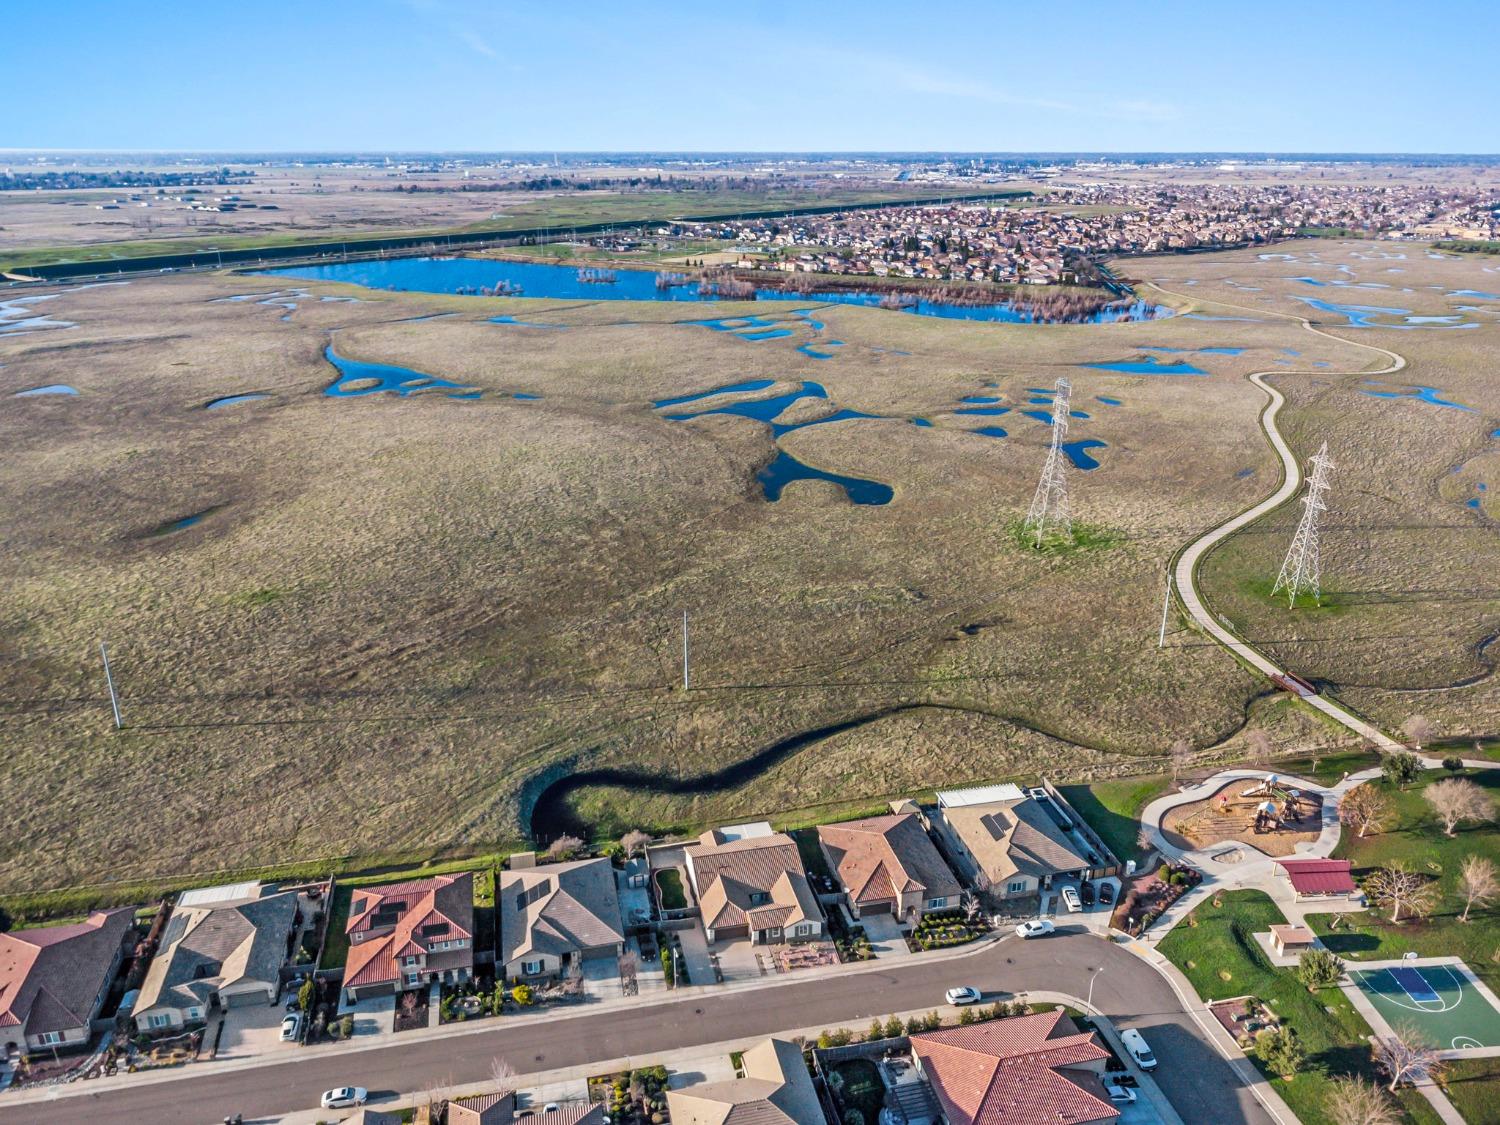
x=1049, y=507
x=1299, y=571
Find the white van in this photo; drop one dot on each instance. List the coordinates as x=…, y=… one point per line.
x=1135, y=1043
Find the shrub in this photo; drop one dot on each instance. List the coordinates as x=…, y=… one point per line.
x=1453, y=765
x=305, y=994
x=1318, y=968
x=523, y=995
x=894, y=1027
x=966, y=1016
x=1401, y=768
x=1164, y=873
x=346, y=1026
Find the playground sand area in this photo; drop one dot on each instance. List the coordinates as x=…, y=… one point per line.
x=1229, y=814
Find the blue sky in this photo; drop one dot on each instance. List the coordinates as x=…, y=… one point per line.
x=576, y=75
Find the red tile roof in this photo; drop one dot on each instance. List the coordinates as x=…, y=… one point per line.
x=1027, y=1070
x=1318, y=876
x=50, y=977
x=446, y=901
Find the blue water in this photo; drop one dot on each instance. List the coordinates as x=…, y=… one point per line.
x=522, y=395
x=1039, y=415
x=761, y=409
x=815, y=325
x=1243, y=473
x=1148, y=367
x=49, y=389
x=509, y=320
x=449, y=275
x=777, y=428
x=990, y=410
x=400, y=380
x=1077, y=414
x=1077, y=452
x=1221, y=351
x=766, y=334
x=785, y=469
x=1363, y=316
x=1474, y=293
x=1042, y=390
x=979, y=398
x=751, y=385
x=989, y=431
x=925, y=423
x=811, y=352
x=1422, y=394
x=1474, y=503
x=1159, y=348
x=733, y=323
x=1308, y=280
x=1109, y=401
x=1290, y=351
x=233, y=399
x=1040, y=400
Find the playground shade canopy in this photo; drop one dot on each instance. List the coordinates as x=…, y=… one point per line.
x=1318, y=876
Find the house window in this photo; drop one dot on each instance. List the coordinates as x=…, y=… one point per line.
x=1016, y=888
x=195, y=1013
x=936, y=903
x=774, y=932
x=413, y=960
x=50, y=1038
x=531, y=968
x=759, y=898
x=159, y=1020
x=803, y=929
x=413, y=979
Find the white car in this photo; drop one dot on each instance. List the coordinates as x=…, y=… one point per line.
x=961, y=995
x=1136, y=1044
x=290, y=1027
x=1071, y=901
x=345, y=1097
x=1037, y=927
x=1119, y=1093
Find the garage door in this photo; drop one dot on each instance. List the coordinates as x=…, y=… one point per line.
x=875, y=907
x=247, y=998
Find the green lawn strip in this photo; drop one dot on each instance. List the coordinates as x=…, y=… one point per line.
x=673, y=897
x=1333, y=1034
x=812, y=854
x=1415, y=837
x=1327, y=769
x=1113, y=808
x=336, y=947
x=1473, y=1086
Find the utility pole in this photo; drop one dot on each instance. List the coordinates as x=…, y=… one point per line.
x=1093, y=976
x=114, y=701
x=1166, y=604
x=684, y=650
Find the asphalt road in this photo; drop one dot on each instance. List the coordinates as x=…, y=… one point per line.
x=1201, y=1085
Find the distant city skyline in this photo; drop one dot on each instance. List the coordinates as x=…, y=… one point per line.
x=459, y=75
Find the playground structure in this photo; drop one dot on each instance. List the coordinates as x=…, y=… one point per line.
x=1268, y=814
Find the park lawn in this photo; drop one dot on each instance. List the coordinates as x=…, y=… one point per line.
x=1415, y=837
x=1221, y=959
x=1327, y=769
x=336, y=944
x=1113, y=808
x=1473, y=1086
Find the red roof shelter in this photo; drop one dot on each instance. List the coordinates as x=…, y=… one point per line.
x=1318, y=876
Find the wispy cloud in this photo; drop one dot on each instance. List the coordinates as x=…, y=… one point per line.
x=477, y=43
x=924, y=82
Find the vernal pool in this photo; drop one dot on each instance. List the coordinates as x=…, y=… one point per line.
x=49, y=389
x=358, y=378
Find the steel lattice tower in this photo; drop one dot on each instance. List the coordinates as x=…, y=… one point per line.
x=1299, y=571
x=1049, y=507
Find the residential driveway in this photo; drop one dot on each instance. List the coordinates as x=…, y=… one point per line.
x=695, y=951
x=737, y=961
x=253, y=1032
x=601, y=978
x=885, y=936
x=376, y=1016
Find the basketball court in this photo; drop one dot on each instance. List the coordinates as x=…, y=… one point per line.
x=1438, y=997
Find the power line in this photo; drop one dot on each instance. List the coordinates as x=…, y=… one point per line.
x=1049, y=506
x=1300, y=569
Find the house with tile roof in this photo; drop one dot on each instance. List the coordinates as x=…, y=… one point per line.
x=500, y=1109
x=750, y=882
x=556, y=916
x=889, y=865
x=1026, y=1070
x=776, y=1090
x=1005, y=842
x=227, y=953
x=53, y=980
x=409, y=935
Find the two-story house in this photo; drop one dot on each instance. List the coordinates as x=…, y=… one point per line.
x=409, y=935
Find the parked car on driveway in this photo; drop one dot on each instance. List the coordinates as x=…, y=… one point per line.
x=345, y=1097
x=961, y=995
x=1070, y=900
x=1037, y=927
x=1106, y=893
x=1086, y=892
x=1118, y=1092
x=290, y=1027
x=1139, y=1050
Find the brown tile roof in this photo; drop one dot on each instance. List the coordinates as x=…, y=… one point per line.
x=1014, y=837
x=1027, y=1070
x=482, y=1109
x=558, y=908
x=204, y=948
x=884, y=856
x=419, y=912
x=50, y=977
x=776, y=1090
x=728, y=875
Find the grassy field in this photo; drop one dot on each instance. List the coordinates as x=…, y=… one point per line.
x=1473, y=1086
x=1221, y=959
x=403, y=616
x=1416, y=838
x=1113, y=808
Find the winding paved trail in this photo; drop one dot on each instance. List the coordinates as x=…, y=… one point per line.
x=1184, y=572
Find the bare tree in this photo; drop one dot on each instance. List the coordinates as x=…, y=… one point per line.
x=1182, y=757
x=1404, y=1057
x=1456, y=800
x=1419, y=729
x=1258, y=747
x=503, y=1075
x=1355, y=1102
x=1477, y=883
x=564, y=847
x=634, y=842
x=1402, y=889
x=1364, y=808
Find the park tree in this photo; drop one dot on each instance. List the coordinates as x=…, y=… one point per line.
x=1402, y=890
x=1181, y=755
x=1405, y=1058
x=1401, y=768
x=1456, y=800
x=1280, y=1050
x=634, y=842
x=1352, y=1101
x=1364, y=808
x=1419, y=729
x=1258, y=747
x=1477, y=883
x=1318, y=968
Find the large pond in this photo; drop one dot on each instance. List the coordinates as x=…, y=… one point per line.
x=531, y=279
